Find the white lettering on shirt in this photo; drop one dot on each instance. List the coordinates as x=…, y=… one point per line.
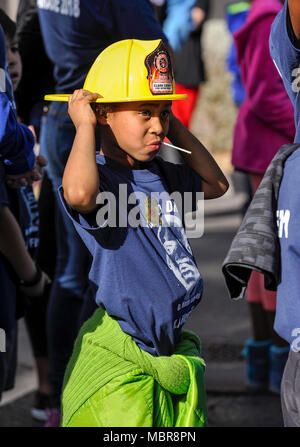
x=283, y=218
x=69, y=8
x=296, y=341
x=295, y=83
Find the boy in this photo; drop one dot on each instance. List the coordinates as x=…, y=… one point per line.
x=145, y=276
x=285, y=51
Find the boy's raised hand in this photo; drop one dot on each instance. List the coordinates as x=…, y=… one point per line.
x=80, y=110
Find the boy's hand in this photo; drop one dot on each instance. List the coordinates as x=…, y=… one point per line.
x=80, y=110
x=172, y=120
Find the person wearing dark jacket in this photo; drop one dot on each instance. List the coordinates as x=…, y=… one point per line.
x=264, y=123
x=285, y=52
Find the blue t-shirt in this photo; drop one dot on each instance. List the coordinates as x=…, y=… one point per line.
x=287, y=60
x=287, y=319
x=75, y=32
x=144, y=275
x=16, y=140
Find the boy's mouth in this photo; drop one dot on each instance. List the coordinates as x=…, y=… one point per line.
x=14, y=77
x=154, y=145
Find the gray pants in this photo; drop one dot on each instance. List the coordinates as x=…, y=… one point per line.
x=290, y=391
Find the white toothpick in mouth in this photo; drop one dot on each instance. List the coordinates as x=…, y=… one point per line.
x=174, y=147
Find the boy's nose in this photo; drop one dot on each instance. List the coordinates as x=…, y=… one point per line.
x=157, y=126
x=11, y=60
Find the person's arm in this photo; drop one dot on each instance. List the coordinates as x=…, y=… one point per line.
x=214, y=183
x=81, y=179
x=13, y=248
x=294, y=12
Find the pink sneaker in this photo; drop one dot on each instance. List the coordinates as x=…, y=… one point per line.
x=53, y=417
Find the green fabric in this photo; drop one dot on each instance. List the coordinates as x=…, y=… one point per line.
x=111, y=382
x=236, y=8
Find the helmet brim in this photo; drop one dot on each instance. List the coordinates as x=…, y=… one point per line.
x=65, y=98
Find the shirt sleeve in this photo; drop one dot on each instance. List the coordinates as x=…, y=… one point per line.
x=87, y=224
x=135, y=19
x=288, y=292
x=284, y=53
x=16, y=140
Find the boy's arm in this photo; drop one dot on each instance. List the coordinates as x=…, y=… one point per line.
x=214, y=183
x=81, y=178
x=294, y=11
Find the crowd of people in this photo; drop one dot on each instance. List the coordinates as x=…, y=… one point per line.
x=105, y=303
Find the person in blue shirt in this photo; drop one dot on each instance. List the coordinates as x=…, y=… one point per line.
x=236, y=14
x=23, y=204
x=143, y=268
x=17, y=268
x=285, y=51
x=74, y=33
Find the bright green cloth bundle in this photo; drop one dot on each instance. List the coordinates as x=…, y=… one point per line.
x=111, y=382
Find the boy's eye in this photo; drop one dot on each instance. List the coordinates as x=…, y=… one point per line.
x=165, y=114
x=145, y=113
x=14, y=49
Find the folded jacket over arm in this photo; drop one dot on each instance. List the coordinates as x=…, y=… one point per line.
x=256, y=245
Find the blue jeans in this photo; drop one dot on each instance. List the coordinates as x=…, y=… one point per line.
x=70, y=286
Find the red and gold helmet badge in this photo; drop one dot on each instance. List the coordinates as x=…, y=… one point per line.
x=160, y=72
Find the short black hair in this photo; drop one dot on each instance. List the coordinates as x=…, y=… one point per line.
x=8, y=25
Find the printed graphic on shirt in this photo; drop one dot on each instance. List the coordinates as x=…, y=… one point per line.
x=162, y=216
x=160, y=73
x=29, y=214
x=283, y=219
x=152, y=211
x=164, y=220
x=66, y=7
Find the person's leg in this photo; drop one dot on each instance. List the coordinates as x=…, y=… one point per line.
x=66, y=300
x=35, y=316
x=278, y=354
x=46, y=253
x=272, y=358
x=12, y=246
x=257, y=348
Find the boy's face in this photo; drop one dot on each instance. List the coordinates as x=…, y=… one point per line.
x=139, y=129
x=13, y=60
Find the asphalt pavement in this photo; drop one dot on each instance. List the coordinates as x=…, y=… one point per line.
x=222, y=324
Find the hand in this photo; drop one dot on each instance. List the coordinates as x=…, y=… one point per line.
x=197, y=16
x=26, y=179
x=80, y=110
x=37, y=288
x=172, y=121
